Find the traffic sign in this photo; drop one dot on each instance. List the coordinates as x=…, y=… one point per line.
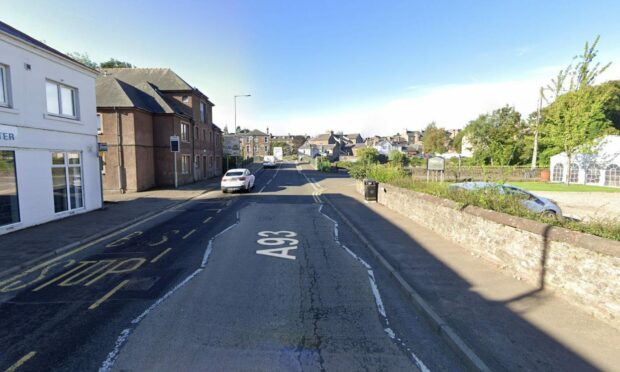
x=174, y=143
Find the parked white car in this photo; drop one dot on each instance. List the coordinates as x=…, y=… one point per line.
x=238, y=179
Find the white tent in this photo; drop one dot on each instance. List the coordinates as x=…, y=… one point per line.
x=601, y=168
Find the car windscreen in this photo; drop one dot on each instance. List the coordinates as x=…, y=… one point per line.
x=231, y=174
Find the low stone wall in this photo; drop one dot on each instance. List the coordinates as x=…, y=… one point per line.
x=582, y=268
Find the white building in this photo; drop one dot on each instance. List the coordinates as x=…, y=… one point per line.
x=49, y=164
x=600, y=168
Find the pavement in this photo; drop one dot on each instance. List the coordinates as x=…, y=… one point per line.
x=497, y=315
x=280, y=279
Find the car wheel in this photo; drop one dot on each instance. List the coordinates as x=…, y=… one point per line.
x=549, y=215
x=224, y=191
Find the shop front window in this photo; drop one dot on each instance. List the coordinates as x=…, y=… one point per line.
x=9, y=203
x=67, y=181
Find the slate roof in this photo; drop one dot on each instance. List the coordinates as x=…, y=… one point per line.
x=163, y=78
x=255, y=132
x=32, y=41
x=112, y=92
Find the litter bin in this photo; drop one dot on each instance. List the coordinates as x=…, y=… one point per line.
x=370, y=189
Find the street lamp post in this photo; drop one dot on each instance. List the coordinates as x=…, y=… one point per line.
x=241, y=95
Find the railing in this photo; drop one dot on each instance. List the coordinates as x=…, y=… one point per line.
x=483, y=173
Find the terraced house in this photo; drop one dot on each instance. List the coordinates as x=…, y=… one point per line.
x=139, y=109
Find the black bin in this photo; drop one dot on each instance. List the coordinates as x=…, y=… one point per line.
x=370, y=189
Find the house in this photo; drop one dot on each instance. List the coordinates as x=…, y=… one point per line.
x=411, y=136
x=601, y=168
x=49, y=160
x=254, y=143
x=139, y=109
x=385, y=147
x=308, y=149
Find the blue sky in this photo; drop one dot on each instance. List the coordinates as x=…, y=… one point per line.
x=369, y=66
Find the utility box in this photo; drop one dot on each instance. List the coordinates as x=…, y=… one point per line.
x=370, y=190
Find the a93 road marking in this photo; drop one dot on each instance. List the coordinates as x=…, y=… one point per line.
x=273, y=238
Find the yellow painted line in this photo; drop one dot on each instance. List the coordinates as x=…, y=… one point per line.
x=61, y=276
x=188, y=234
x=207, y=220
x=108, y=295
x=20, y=362
x=81, y=248
x=161, y=255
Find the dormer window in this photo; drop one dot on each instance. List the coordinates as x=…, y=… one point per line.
x=203, y=112
x=185, y=99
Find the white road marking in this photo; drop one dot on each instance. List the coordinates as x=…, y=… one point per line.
x=261, y=190
x=277, y=252
x=376, y=294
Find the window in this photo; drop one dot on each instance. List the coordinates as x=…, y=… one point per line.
x=204, y=134
x=573, y=175
x=558, y=173
x=67, y=181
x=99, y=124
x=4, y=86
x=185, y=159
x=185, y=99
x=593, y=174
x=612, y=175
x=61, y=100
x=185, y=132
x=203, y=112
x=9, y=202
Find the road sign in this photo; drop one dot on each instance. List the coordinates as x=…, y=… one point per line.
x=174, y=143
x=277, y=153
x=102, y=146
x=436, y=163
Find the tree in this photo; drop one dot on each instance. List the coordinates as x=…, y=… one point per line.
x=435, y=139
x=115, y=63
x=84, y=59
x=577, y=119
x=368, y=155
x=286, y=148
x=457, y=142
x=397, y=158
x=497, y=138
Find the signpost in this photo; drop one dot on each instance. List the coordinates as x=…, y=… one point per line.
x=278, y=153
x=436, y=165
x=174, y=148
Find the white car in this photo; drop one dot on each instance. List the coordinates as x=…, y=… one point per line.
x=269, y=162
x=238, y=179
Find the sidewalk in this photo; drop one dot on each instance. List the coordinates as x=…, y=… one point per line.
x=510, y=324
x=27, y=247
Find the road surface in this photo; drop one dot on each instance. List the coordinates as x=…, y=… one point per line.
x=236, y=282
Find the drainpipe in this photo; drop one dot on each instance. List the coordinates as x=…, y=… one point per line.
x=120, y=153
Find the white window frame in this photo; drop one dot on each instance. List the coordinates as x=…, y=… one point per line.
x=185, y=132
x=76, y=106
x=6, y=85
x=66, y=167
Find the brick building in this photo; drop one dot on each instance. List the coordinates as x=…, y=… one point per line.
x=254, y=143
x=138, y=110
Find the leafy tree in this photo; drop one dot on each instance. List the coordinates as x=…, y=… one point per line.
x=497, y=138
x=84, y=59
x=397, y=158
x=115, y=63
x=368, y=155
x=576, y=119
x=286, y=148
x=435, y=139
x=457, y=142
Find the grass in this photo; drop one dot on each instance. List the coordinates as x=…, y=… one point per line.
x=562, y=187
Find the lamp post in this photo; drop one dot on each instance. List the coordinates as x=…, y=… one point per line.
x=241, y=95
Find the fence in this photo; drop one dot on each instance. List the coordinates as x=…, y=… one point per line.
x=483, y=173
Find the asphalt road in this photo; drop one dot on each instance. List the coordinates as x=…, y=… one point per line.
x=236, y=282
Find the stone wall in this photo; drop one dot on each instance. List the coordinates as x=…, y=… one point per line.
x=582, y=268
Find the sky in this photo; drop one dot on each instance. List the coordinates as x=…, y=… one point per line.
x=375, y=67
